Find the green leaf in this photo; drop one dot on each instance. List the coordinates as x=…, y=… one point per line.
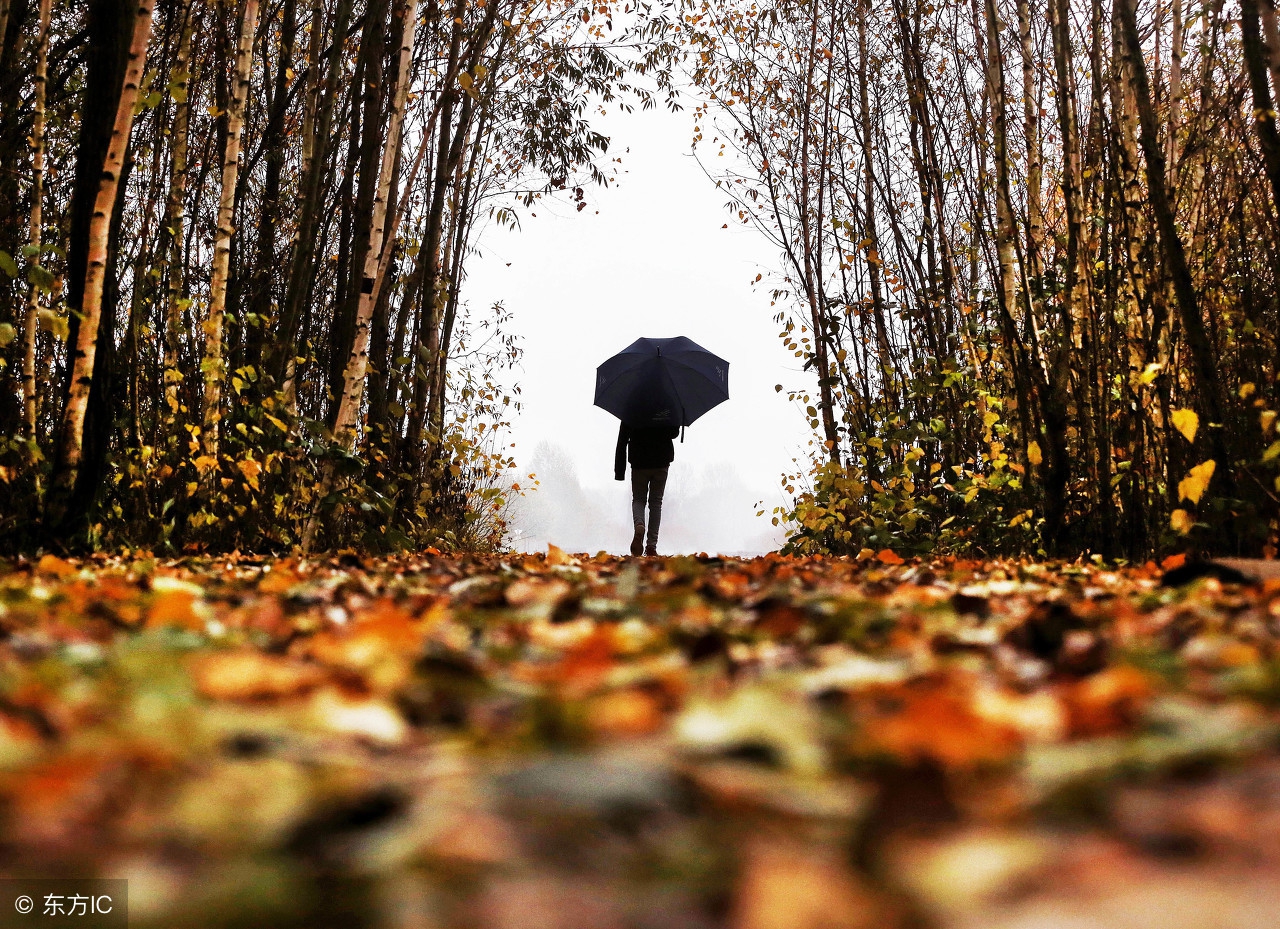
x=8, y=265
x=7, y=334
x=40, y=278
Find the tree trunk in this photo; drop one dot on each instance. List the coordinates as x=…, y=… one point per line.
x=1271, y=33
x=1031, y=128
x=1255, y=57
x=367, y=146
x=31, y=323
x=872, y=235
x=273, y=144
x=345, y=421
x=357, y=365
x=1175, y=93
x=213, y=366
x=71, y=442
x=1202, y=352
x=320, y=109
x=175, y=218
x=1005, y=229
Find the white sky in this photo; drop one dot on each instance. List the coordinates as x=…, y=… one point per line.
x=647, y=257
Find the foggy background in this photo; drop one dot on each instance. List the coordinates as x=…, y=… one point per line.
x=647, y=257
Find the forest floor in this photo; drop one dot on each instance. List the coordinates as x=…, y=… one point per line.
x=553, y=742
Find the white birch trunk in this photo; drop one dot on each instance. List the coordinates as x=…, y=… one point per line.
x=85, y=350
x=31, y=323
x=1031, y=127
x=213, y=366
x=1271, y=35
x=344, y=430
x=357, y=366
x=1175, y=94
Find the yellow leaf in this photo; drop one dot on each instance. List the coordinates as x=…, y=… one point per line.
x=866, y=554
x=1186, y=422
x=1192, y=487
x=206, y=463
x=1150, y=373
x=1033, y=454
x=1247, y=391
x=1268, y=419
x=250, y=469
x=1181, y=521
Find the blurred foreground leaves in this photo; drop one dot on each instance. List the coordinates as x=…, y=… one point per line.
x=559, y=741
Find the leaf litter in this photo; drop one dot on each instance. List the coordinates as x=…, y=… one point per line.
x=594, y=742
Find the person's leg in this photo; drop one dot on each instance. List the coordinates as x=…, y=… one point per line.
x=657, y=488
x=639, y=495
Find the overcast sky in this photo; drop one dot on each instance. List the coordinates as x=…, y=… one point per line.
x=648, y=257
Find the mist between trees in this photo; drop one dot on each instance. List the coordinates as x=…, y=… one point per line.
x=705, y=509
x=1028, y=258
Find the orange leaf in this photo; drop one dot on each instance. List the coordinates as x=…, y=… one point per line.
x=630, y=712
x=932, y=720
x=174, y=608
x=252, y=676
x=55, y=566
x=1174, y=561
x=1107, y=702
x=889, y=556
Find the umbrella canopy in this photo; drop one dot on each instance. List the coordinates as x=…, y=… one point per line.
x=657, y=382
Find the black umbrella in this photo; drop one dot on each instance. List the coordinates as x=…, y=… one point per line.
x=656, y=382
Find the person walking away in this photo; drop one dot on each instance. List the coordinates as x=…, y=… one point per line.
x=650, y=451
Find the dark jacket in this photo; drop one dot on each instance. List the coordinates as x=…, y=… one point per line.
x=644, y=448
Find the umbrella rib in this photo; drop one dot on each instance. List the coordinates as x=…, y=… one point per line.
x=675, y=391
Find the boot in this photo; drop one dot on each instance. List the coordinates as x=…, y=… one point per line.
x=637, y=540
x=651, y=549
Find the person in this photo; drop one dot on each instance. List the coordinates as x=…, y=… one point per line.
x=650, y=449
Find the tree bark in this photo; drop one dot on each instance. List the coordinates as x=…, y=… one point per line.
x=1031, y=129
x=175, y=219
x=273, y=144
x=872, y=234
x=31, y=323
x=1175, y=92
x=366, y=146
x=320, y=109
x=71, y=441
x=357, y=364
x=214, y=366
x=1264, y=114
x=1202, y=352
